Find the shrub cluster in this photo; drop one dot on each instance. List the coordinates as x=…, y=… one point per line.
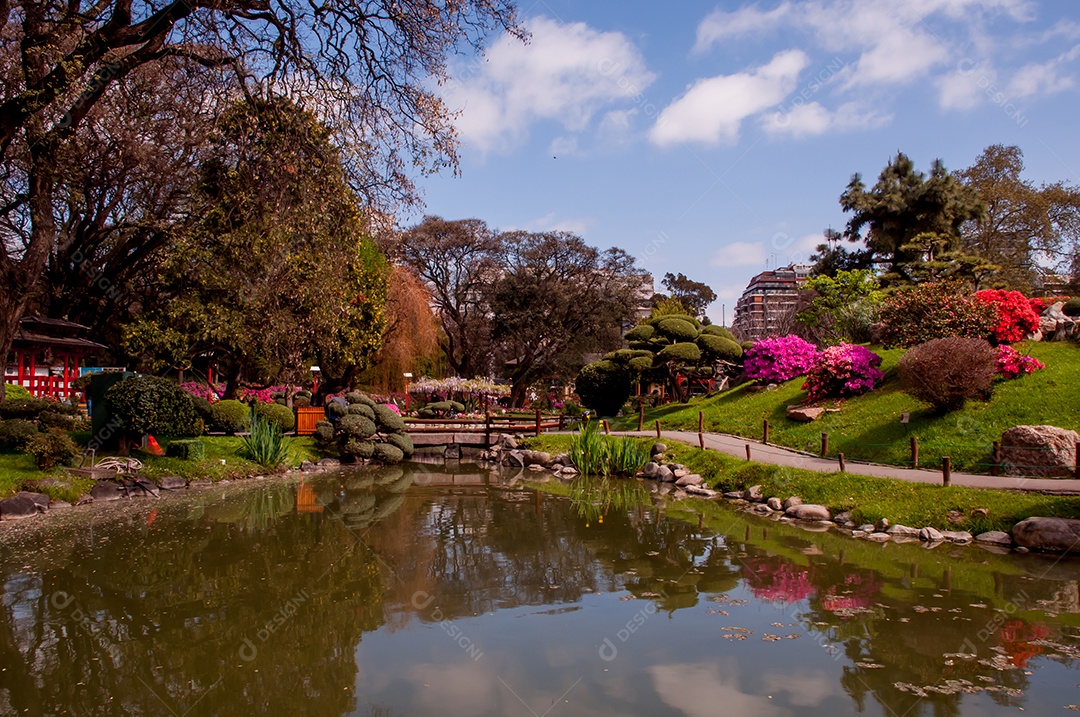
x=279, y=415
x=152, y=404
x=52, y=448
x=1011, y=364
x=843, y=370
x=947, y=372
x=230, y=416
x=779, y=358
x=1016, y=318
x=15, y=433
x=935, y=311
x=364, y=430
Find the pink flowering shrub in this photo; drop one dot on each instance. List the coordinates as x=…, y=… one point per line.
x=200, y=389
x=779, y=358
x=393, y=407
x=843, y=370
x=1016, y=317
x=1010, y=364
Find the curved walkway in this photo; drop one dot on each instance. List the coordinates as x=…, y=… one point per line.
x=777, y=455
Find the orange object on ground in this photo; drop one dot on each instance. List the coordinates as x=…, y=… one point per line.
x=152, y=447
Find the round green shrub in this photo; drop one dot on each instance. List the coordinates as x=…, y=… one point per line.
x=641, y=332
x=275, y=395
x=15, y=432
x=641, y=346
x=746, y=345
x=640, y=363
x=230, y=416
x=354, y=397
x=13, y=391
x=357, y=426
x=358, y=448
x=56, y=419
x=388, y=453
x=389, y=419
x=718, y=347
x=714, y=330
x=334, y=409
x=678, y=329
x=276, y=413
x=1072, y=307
x=324, y=431
x=947, y=372
x=603, y=387
x=687, y=352
x=657, y=320
x=303, y=393
x=301, y=402
x=152, y=404
x=52, y=449
x=203, y=409
x=403, y=443
x=361, y=409
x=281, y=402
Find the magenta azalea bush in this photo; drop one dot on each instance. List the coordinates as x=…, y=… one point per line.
x=1011, y=364
x=779, y=358
x=843, y=370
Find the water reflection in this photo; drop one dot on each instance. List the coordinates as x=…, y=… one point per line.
x=408, y=590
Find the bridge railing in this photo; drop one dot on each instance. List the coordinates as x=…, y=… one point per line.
x=536, y=424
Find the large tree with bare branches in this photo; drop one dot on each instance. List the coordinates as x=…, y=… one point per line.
x=367, y=66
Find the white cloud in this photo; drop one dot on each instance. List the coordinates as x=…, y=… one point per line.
x=1044, y=78
x=566, y=74
x=813, y=118
x=740, y=253
x=712, y=110
x=721, y=25
x=551, y=222
x=965, y=87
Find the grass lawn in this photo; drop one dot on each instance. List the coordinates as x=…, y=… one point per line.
x=869, y=499
x=869, y=427
x=18, y=469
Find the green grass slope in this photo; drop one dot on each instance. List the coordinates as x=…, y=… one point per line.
x=869, y=427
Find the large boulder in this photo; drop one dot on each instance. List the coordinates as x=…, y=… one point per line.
x=1058, y=535
x=22, y=505
x=651, y=470
x=1039, y=451
x=808, y=511
x=804, y=414
x=1056, y=325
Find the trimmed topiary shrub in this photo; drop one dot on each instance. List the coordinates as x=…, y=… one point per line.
x=278, y=414
x=714, y=330
x=26, y=408
x=324, y=431
x=1016, y=319
x=678, y=329
x=152, y=404
x=402, y=442
x=13, y=391
x=947, y=372
x=388, y=453
x=641, y=332
x=188, y=449
x=301, y=401
x=779, y=358
x=203, y=409
x=687, y=352
x=640, y=363
x=747, y=345
x=657, y=320
x=15, y=432
x=358, y=448
x=603, y=387
x=719, y=347
x=361, y=409
x=389, y=419
x=230, y=416
x=354, y=397
x=843, y=370
x=52, y=449
x=1072, y=307
x=935, y=311
x=356, y=426
x=334, y=409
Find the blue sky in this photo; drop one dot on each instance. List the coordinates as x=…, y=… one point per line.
x=713, y=139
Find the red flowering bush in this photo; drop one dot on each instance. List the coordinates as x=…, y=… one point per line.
x=935, y=311
x=1011, y=364
x=779, y=358
x=843, y=370
x=1016, y=318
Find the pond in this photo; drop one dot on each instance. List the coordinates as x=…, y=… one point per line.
x=418, y=591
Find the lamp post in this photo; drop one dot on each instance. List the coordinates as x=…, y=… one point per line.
x=407, y=377
x=315, y=371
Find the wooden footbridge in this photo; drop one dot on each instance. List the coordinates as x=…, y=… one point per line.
x=479, y=432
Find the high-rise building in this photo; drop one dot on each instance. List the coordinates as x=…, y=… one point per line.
x=767, y=305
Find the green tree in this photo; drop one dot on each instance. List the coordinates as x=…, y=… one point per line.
x=695, y=296
x=904, y=205
x=843, y=306
x=279, y=270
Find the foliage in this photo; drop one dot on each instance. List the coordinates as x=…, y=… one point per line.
x=938, y=310
x=189, y=449
x=694, y=295
x=25, y=408
x=1016, y=318
x=52, y=448
x=641, y=332
x=388, y=453
x=718, y=347
x=1071, y=307
x=587, y=451
x=402, y=442
x=603, y=387
x=230, y=416
x=844, y=306
x=356, y=426
x=361, y=409
x=625, y=456
x=714, y=330
x=282, y=416
x=388, y=419
x=265, y=444
x=1011, y=364
x=947, y=372
x=666, y=306
x=15, y=432
x=683, y=352
x=843, y=370
x=677, y=329
x=152, y=404
x=14, y=391
x=440, y=409
x=779, y=358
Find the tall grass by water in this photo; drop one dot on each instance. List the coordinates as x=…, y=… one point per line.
x=265, y=445
x=595, y=454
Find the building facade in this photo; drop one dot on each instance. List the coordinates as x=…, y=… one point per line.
x=768, y=304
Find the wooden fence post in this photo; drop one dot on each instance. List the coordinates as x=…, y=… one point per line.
x=487, y=428
x=747, y=451
x=701, y=440
x=843, y=463
x=946, y=470
x=658, y=428
x=1076, y=468
x=641, y=417
x=538, y=421
x=914, y=452
x=700, y=421
x=607, y=428
x=765, y=432
x=995, y=464
x=824, y=444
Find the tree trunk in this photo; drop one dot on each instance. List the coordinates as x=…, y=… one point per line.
x=11, y=310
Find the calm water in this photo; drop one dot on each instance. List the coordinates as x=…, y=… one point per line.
x=412, y=592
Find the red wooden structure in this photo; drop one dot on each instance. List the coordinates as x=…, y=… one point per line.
x=47, y=353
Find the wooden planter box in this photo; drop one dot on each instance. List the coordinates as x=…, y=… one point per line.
x=306, y=418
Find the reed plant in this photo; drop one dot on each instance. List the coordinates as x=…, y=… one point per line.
x=626, y=456
x=595, y=454
x=265, y=444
